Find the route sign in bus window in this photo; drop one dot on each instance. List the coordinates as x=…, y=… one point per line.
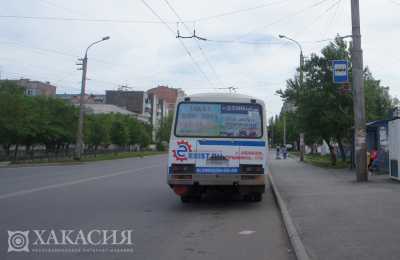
x=219, y=120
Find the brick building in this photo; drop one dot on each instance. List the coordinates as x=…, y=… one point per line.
x=36, y=88
x=144, y=104
x=134, y=101
x=89, y=98
x=169, y=95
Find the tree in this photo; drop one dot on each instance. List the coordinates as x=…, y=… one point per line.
x=27, y=121
x=119, y=132
x=325, y=113
x=378, y=102
x=134, y=131
x=56, y=122
x=13, y=116
x=164, y=132
x=97, y=130
x=138, y=134
x=322, y=110
x=145, y=137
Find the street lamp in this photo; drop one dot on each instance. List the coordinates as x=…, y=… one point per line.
x=79, y=134
x=301, y=84
x=301, y=54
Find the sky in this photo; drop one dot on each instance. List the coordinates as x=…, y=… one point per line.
x=42, y=40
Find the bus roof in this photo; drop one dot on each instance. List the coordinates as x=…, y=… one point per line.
x=223, y=97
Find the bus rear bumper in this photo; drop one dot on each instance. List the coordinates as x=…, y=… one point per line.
x=242, y=183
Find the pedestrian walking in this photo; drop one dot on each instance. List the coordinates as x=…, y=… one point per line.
x=284, y=152
x=278, y=152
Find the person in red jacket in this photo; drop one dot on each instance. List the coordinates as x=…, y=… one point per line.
x=373, y=157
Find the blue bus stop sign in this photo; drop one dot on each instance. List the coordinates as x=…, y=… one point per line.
x=340, y=71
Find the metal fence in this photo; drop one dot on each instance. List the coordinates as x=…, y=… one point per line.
x=59, y=155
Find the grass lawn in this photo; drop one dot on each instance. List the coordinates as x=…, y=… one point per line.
x=102, y=157
x=92, y=158
x=323, y=161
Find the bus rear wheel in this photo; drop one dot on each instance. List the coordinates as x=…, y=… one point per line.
x=257, y=197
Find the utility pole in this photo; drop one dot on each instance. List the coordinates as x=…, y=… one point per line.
x=79, y=135
x=301, y=68
x=358, y=96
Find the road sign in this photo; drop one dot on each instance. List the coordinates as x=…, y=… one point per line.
x=340, y=71
x=345, y=89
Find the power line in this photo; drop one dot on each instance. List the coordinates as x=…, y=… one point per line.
x=264, y=42
x=239, y=11
x=180, y=40
x=231, y=89
x=60, y=76
x=56, y=81
x=318, y=3
x=395, y=2
x=94, y=20
x=318, y=41
x=244, y=42
x=287, y=17
x=329, y=24
x=77, y=19
x=45, y=71
x=30, y=76
x=318, y=18
x=54, y=5
x=41, y=49
x=62, y=53
x=197, y=43
x=346, y=20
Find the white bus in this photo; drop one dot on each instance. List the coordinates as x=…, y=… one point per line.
x=218, y=141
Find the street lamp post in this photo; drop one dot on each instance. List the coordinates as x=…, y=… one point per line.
x=301, y=84
x=301, y=55
x=79, y=134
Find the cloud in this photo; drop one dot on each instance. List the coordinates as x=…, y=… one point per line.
x=147, y=54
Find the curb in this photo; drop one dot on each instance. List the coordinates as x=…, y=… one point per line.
x=4, y=164
x=295, y=240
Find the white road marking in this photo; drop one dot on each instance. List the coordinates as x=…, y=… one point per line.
x=59, y=185
x=247, y=232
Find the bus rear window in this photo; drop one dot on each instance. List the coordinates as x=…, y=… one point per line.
x=219, y=120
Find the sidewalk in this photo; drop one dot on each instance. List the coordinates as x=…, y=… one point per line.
x=338, y=218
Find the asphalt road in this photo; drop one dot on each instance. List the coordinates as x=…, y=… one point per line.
x=132, y=194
